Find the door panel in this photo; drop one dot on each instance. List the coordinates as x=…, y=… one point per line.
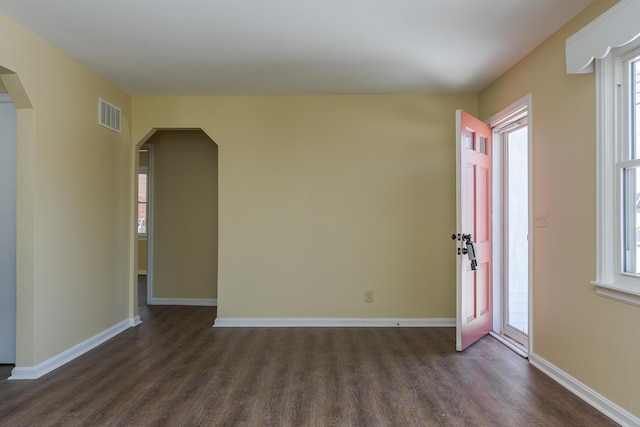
x=473, y=191
x=482, y=213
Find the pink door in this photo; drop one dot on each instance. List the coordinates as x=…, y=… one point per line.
x=473, y=237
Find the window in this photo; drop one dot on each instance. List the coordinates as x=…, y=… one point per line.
x=143, y=193
x=613, y=39
x=142, y=203
x=629, y=164
x=618, y=105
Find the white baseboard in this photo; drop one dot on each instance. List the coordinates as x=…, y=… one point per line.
x=276, y=322
x=592, y=397
x=142, y=272
x=184, y=301
x=34, y=372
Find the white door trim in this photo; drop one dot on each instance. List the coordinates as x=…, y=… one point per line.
x=499, y=119
x=8, y=279
x=149, y=224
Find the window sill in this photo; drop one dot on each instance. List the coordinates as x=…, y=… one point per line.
x=618, y=292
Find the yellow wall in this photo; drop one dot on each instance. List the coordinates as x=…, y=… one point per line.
x=142, y=254
x=144, y=158
x=73, y=188
x=322, y=197
x=185, y=215
x=593, y=339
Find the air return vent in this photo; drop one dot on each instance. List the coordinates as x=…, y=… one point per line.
x=108, y=115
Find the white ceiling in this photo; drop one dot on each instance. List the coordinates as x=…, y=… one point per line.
x=270, y=47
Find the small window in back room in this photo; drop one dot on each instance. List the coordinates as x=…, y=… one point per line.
x=143, y=190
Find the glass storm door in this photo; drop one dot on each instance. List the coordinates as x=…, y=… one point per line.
x=516, y=231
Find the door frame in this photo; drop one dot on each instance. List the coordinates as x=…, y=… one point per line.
x=149, y=237
x=496, y=121
x=12, y=286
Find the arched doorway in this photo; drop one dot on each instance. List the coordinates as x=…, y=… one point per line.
x=181, y=233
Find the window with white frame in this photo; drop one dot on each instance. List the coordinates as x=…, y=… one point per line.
x=618, y=105
x=628, y=166
x=143, y=192
x=613, y=40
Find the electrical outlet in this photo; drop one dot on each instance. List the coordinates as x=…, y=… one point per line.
x=368, y=296
x=542, y=218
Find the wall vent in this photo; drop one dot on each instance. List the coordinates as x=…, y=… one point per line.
x=108, y=115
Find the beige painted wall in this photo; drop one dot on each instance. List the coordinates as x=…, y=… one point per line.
x=593, y=339
x=144, y=158
x=322, y=197
x=142, y=254
x=185, y=215
x=73, y=188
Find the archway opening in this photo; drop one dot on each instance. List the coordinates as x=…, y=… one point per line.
x=180, y=216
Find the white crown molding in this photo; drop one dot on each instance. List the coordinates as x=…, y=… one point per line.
x=34, y=372
x=592, y=397
x=277, y=322
x=616, y=27
x=184, y=301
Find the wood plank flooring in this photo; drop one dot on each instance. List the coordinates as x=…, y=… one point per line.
x=175, y=369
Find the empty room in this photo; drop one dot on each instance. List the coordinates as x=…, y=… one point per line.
x=354, y=212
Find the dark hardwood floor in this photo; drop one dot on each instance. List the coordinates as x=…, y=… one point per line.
x=175, y=369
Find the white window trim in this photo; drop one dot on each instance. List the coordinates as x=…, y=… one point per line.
x=610, y=282
x=616, y=28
